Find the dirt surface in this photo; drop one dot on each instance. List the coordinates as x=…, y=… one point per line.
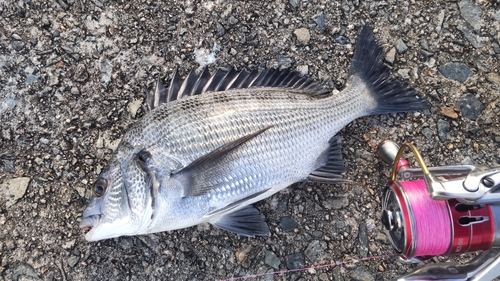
x=73, y=75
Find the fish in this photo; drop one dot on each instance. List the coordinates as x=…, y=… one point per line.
x=211, y=145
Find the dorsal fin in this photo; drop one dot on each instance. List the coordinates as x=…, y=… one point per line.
x=223, y=80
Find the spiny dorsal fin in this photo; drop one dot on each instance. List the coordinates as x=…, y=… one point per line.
x=332, y=166
x=223, y=80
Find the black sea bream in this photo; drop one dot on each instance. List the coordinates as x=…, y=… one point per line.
x=211, y=145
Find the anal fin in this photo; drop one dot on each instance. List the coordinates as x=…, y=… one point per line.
x=332, y=165
x=245, y=222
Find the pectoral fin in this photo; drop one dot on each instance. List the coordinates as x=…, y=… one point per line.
x=245, y=222
x=193, y=189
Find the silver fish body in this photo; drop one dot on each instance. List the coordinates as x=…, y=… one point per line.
x=207, y=157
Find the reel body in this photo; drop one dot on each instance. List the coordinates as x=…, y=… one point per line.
x=439, y=211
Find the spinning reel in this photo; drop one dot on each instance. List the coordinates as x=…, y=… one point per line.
x=441, y=211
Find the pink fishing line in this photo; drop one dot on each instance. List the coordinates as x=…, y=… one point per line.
x=432, y=220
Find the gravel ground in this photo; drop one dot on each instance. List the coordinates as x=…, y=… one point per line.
x=72, y=78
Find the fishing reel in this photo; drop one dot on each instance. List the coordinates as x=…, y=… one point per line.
x=442, y=211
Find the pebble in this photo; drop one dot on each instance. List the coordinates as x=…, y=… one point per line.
x=337, y=274
x=494, y=78
x=295, y=261
x=391, y=55
x=294, y=3
x=284, y=62
x=470, y=107
x=312, y=251
x=134, y=106
x=449, y=112
x=30, y=78
x=362, y=274
x=81, y=74
x=272, y=260
x=288, y=224
x=471, y=13
x=404, y=73
x=401, y=46
x=496, y=16
x=303, y=35
x=17, y=45
x=456, y=71
x=320, y=20
x=342, y=40
x=336, y=203
x=363, y=239
x=220, y=29
x=73, y=260
x=473, y=39
x=13, y=190
x=443, y=129
x=25, y=272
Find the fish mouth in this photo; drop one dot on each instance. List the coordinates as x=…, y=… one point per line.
x=87, y=225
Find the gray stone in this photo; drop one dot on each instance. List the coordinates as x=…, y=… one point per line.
x=72, y=261
x=401, y=46
x=25, y=272
x=427, y=133
x=220, y=29
x=363, y=239
x=295, y=261
x=456, y=71
x=496, y=15
x=272, y=260
x=284, y=62
x=313, y=250
x=288, y=224
x=320, y=20
x=474, y=39
x=13, y=190
x=232, y=20
x=342, y=40
x=404, y=73
x=30, y=78
x=471, y=13
x=18, y=45
x=294, y=3
x=303, y=35
x=336, y=203
x=470, y=107
x=362, y=274
x=443, y=129
x=391, y=55
x=337, y=274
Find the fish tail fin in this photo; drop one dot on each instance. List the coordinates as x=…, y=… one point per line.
x=389, y=95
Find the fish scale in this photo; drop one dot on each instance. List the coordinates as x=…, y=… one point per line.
x=201, y=156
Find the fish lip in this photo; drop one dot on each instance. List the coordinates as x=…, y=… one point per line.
x=88, y=225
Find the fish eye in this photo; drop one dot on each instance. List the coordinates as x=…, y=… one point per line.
x=100, y=187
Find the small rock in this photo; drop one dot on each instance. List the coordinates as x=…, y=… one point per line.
x=336, y=203
x=14, y=190
x=342, y=40
x=471, y=13
x=494, y=78
x=133, y=107
x=449, y=112
x=363, y=239
x=30, y=78
x=288, y=224
x=362, y=274
x=294, y=3
x=470, y=107
x=220, y=29
x=401, y=46
x=320, y=20
x=242, y=254
x=382, y=237
x=473, y=39
x=272, y=260
x=496, y=16
x=313, y=250
x=126, y=243
x=284, y=62
x=404, y=73
x=81, y=74
x=427, y=133
x=232, y=20
x=295, y=261
x=443, y=129
x=302, y=35
x=337, y=274
x=25, y=272
x=73, y=260
x=17, y=45
x=303, y=69
x=456, y=71
x=391, y=55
